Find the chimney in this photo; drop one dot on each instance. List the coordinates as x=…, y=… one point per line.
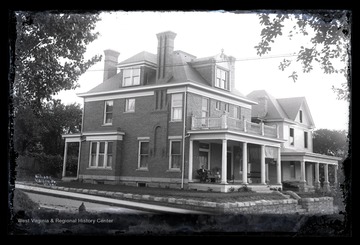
x=111, y=60
x=164, y=55
x=232, y=60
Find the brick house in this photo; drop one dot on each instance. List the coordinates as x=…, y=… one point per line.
x=156, y=119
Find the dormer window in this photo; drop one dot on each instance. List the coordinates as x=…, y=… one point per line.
x=131, y=77
x=222, y=79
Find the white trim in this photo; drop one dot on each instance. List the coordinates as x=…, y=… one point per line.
x=103, y=133
x=73, y=139
x=227, y=134
x=208, y=152
x=170, y=148
x=176, y=90
x=175, y=137
x=112, y=112
x=139, y=64
x=191, y=83
x=139, y=155
x=143, y=138
x=97, y=154
x=104, y=138
x=120, y=96
x=219, y=98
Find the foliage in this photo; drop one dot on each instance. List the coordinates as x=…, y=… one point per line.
x=22, y=202
x=329, y=36
x=49, y=53
x=244, y=188
x=42, y=133
x=330, y=142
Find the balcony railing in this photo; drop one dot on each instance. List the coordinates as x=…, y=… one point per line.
x=226, y=122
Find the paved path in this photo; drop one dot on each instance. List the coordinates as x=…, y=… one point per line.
x=108, y=201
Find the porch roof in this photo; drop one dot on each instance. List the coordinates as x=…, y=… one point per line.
x=309, y=157
x=221, y=134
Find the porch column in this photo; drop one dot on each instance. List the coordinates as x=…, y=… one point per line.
x=302, y=171
x=224, y=162
x=278, y=167
x=65, y=156
x=317, y=181
x=78, y=164
x=326, y=175
x=244, y=162
x=190, y=161
x=335, y=174
x=262, y=164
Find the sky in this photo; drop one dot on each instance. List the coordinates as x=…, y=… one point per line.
x=205, y=34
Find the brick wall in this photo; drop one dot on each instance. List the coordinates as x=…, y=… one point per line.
x=323, y=205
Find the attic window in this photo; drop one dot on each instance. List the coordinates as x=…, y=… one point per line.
x=131, y=77
x=222, y=79
x=300, y=116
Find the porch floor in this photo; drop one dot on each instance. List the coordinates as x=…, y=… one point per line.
x=217, y=187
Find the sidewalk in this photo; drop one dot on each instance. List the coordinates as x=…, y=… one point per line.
x=103, y=197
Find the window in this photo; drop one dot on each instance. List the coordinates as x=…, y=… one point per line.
x=143, y=154
x=131, y=77
x=204, y=111
x=129, y=105
x=108, y=112
x=109, y=155
x=227, y=107
x=218, y=105
x=160, y=99
x=222, y=80
x=305, y=139
x=237, y=112
x=300, y=116
x=175, y=154
x=176, y=107
x=292, y=138
x=292, y=170
x=101, y=154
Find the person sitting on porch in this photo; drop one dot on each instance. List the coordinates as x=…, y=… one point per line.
x=202, y=172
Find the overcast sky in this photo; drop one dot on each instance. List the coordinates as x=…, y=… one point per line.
x=205, y=34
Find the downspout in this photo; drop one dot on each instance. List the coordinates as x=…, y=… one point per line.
x=183, y=139
x=81, y=131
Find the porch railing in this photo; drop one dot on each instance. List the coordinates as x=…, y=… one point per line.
x=226, y=122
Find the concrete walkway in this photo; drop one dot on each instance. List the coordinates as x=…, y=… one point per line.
x=107, y=200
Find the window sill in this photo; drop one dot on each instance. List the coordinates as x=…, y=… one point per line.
x=126, y=112
x=173, y=171
x=175, y=121
x=106, y=124
x=99, y=168
x=142, y=169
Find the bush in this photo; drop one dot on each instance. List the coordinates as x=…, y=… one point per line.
x=244, y=188
x=48, y=164
x=22, y=202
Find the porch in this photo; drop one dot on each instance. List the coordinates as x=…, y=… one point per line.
x=226, y=122
x=233, y=187
x=309, y=171
x=238, y=158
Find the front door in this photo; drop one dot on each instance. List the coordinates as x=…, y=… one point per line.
x=204, y=159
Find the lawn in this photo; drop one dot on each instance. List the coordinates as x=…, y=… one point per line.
x=178, y=193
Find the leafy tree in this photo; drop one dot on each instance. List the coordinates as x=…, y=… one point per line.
x=330, y=142
x=42, y=133
x=329, y=35
x=49, y=54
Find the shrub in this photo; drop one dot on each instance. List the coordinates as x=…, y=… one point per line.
x=231, y=189
x=244, y=188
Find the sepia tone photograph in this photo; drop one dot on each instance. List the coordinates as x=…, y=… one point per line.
x=180, y=123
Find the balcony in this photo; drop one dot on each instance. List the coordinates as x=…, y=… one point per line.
x=226, y=122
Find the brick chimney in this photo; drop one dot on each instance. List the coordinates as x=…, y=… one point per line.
x=164, y=55
x=263, y=106
x=232, y=60
x=111, y=60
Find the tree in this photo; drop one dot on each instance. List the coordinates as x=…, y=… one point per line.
x=330, y=142
x=329, y=35
x=42, y=133
x=49, y=54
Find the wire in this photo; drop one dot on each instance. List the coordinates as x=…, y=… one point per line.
x=217, y=62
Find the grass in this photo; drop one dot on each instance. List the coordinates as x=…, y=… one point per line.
x=22, y=201
x=178, y=193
